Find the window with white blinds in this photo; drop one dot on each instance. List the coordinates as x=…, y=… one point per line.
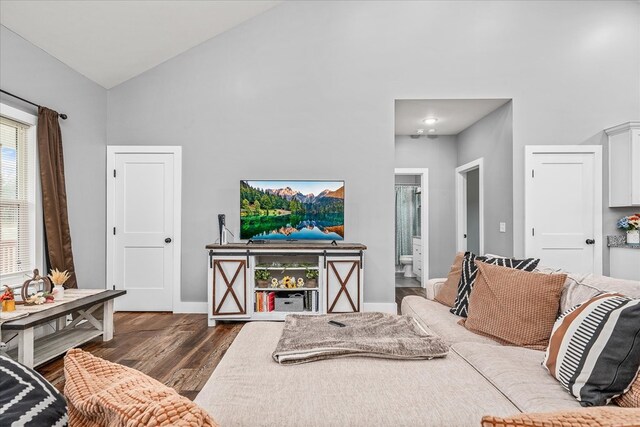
x=17, y=223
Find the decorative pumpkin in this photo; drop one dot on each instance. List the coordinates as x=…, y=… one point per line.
x=36, y=279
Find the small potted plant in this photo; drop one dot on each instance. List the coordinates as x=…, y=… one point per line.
x=262, y=278
x=631, y=224
x=8, y=299
x=58, y=278
x=312, y=278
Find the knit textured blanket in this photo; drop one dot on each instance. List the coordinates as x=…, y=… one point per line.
x=310, y=338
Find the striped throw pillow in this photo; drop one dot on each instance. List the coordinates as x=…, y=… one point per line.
x=594, y=350
x=470, y=272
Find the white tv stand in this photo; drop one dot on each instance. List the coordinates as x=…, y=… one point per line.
x=231, y=288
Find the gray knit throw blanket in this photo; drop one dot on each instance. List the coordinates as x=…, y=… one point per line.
x=311, y=338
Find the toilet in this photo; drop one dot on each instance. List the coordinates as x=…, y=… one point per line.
x=407, y=265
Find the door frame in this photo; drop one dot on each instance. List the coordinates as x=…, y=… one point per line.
x=424, y=215
x=461, y=204
x=596, y=150
x=112, y=151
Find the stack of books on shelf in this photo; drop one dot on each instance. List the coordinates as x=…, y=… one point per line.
x=265, y=301
x=310, y=301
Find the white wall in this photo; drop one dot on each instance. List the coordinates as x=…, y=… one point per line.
x=307, y=90
x=439, y=156
x=491, y=138
x=29, y=72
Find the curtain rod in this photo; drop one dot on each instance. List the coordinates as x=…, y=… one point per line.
x=62, y=115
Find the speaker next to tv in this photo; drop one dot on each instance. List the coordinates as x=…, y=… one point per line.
x=222, y=229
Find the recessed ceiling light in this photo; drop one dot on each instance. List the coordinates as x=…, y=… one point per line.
x=430, y=120
x=420, y=131
x=432, y=131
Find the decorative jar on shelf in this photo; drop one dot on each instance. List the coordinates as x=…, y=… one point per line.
x=57, y=279
x=58, y=292
x=633, y=237
x=311, y=283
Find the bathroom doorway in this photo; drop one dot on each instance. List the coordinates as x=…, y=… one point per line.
x=470, y=207
x=411, y=225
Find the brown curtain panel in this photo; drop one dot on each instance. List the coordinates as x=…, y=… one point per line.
x=54, y=195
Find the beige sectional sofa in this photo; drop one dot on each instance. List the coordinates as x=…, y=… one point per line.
x=479, y=377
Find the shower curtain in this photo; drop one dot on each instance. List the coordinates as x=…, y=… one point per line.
x=406, y=219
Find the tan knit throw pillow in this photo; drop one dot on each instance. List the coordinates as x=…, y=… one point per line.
x=514, y=307
x=600, y=416
x=102, y=393
x=449, y=290
x=631, y=399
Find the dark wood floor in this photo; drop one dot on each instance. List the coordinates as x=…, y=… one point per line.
x=404, y=292
x=178, y=350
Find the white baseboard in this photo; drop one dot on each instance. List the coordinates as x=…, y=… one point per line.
x=190, y=307
x=384, y=307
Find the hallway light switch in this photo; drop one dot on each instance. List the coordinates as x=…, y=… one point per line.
x=503, y=227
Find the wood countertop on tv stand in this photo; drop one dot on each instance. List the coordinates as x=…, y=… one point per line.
x=297, y=245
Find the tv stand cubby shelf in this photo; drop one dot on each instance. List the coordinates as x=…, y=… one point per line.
x=235, y=294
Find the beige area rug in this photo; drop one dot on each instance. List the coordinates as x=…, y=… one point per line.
x=310, y=338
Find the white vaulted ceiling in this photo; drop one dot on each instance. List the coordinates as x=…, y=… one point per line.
x=113, y=41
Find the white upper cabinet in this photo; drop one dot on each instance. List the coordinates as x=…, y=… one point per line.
x=624, y=164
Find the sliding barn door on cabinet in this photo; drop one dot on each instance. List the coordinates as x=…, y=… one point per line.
x=344, y=279
x=228, y=279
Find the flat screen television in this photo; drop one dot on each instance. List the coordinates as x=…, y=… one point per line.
x=292, y=210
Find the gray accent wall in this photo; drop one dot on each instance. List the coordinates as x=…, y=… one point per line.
x=492, y=139
x=439, y=155
x=29, y=72
x=307, y=90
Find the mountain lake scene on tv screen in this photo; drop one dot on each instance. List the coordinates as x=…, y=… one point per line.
x=292, y=210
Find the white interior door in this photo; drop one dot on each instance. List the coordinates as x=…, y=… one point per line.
x=564, y=206
x=144, y=254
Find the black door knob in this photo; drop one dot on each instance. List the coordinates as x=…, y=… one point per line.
x=590, y=241
x=167, y=240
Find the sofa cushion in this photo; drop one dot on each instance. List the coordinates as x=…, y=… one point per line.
x=26, y=398
x=594, y=349
x=514, y=307
x=249, y=389
x=449, y=290
x=104, y=393
x=518, y=374
x=579, y=287
x=437, y=318
x=586, y=417
x=470, y=271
